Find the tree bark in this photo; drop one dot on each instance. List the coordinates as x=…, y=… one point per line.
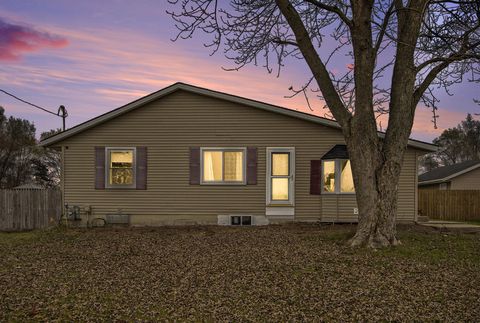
x=376, y=171
x=376, y=181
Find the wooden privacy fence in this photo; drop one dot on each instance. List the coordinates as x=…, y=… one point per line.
x=28, y=209
x=461, y=205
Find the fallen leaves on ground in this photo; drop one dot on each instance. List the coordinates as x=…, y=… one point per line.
x=273, y=273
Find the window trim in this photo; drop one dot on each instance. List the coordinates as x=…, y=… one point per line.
x=107, y=168
x=338, y=174
x=225, y=149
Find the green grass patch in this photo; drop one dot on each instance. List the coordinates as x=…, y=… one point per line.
x=435, y=248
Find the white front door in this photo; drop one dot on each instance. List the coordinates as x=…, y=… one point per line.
x=280, y=176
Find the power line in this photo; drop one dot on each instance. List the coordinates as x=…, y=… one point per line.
x=62, y=111
x=29, y=103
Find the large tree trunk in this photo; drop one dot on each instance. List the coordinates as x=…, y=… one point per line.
x=376, y=177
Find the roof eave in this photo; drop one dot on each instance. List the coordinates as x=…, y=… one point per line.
x=450, y=177
x=434, y=181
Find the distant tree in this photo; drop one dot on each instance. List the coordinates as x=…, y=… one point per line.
x=21, y=159
x=471, y=133
x=400, y=52
x=457, y=144
x=16, y=150
x=47, y=163
x=427, y=163
x=451, y=143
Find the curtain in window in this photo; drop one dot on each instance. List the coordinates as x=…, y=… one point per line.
x=207, y=166
x=346, y=177
x=212, y=166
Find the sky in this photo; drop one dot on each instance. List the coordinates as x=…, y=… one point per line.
x=93, y=56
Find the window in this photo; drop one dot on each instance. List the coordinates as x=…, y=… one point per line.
x=223, y=165
x=280, y=176
x=329, y=176
x=337, y=176
x=120, y=167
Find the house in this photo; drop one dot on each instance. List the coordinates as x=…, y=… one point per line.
x=187, y=155
x=461, y=176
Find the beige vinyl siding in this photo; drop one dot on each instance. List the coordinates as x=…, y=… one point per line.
x=467, y=181
x=169, y=126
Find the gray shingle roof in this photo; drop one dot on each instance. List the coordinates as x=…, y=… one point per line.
x=337, y=152
x=445, y=172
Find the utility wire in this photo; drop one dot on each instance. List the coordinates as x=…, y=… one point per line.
x=29, y=103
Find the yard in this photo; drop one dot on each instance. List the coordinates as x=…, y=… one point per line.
x=274, y=273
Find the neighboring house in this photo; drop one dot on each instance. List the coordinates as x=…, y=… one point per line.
x=186, y=154
x=462, y=176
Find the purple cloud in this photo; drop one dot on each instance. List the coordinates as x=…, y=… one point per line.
x=16, y=40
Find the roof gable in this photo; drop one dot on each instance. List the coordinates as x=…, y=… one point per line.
x=211, y=93
x=445, y=173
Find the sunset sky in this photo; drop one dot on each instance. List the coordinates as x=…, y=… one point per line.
x=93, y=56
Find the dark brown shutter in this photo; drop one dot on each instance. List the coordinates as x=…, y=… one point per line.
x=141, y=168
x=99, y=168
x=251, y=166
x=194, y=165
x=315, y=177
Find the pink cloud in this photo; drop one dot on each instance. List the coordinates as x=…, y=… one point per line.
x=16, y=40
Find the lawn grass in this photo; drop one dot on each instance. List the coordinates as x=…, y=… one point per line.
x=477, y=222
x=274, y=273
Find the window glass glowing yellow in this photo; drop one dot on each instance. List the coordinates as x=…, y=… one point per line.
x=346, y=179
x=222, y=166
x=121, y=167
x=329, y=176
x=233, y=165
x=212, y=166
x=280, y=164
x=280, y=189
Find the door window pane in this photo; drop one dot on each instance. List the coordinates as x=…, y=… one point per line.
x=346, y=178
x=212, y=166
x=233, y=166
x=280, y=164
x=121, y=167
x=280, y=189
x=329, y=176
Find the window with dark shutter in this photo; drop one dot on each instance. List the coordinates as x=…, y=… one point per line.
x=141, y=171
x=315, y=177
x=99, y=168
x=252, y=165
x=194, y=165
